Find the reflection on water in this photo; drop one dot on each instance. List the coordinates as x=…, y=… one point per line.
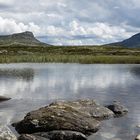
x=136, y=71
x=34, y=85
x=25, y=74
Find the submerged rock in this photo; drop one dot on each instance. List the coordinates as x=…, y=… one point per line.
x=118, y=109
x=107, y=135
x=57, y=117
x=6, y=134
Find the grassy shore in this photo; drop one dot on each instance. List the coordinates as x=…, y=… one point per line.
x=71, y=54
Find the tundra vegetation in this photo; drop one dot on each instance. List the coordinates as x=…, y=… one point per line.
x=69, y=54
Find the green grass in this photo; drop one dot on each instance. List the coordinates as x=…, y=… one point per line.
x=83, y=59
x=71, y=54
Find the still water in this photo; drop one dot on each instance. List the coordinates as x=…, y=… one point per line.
x=32, y=86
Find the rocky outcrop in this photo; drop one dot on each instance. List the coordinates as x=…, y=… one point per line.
x=66, y=120
x=118, y=109
x=6, y=134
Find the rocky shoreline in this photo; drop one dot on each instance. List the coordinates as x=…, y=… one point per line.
x=67, y=120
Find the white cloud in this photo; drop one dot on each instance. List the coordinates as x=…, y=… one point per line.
x=74, y=33
x=52, y=15
x=78, y=33
x=99, y=29
x=8, y=26
x=54, y=31
x=6, y=2
x=99, y=21
x=61, y=4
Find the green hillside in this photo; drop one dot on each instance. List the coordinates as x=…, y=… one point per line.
x=25, y=38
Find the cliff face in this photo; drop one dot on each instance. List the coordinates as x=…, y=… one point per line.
x=24, y=38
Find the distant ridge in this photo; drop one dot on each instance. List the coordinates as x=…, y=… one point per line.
x=25, y=38
x=132, y=42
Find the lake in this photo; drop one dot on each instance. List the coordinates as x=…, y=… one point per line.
x=32, y=86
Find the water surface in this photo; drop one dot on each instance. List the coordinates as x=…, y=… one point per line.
x=32, y=86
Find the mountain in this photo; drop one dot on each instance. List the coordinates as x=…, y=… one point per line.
x=132, y=42
x=24, y=38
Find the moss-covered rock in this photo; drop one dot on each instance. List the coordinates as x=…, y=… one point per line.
x=89, y=107
x=57, y=117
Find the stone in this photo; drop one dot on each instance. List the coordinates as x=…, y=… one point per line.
x=30, y=137
x=118, y=109
x=57, y=117
x=54, y=135
x=62, y=135
x=89, y=107
x=137, y=137
x=6, y=134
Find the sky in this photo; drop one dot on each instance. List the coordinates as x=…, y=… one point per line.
x=71, y=22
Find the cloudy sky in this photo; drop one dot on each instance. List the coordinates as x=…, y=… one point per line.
x=71, y=21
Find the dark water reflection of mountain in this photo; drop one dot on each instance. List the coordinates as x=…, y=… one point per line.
x=25, y=74
x=136, y=71
x=34, y=85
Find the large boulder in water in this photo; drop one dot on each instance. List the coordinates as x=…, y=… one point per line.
x=58, y=116
x=71, y=117
x=89, y=107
